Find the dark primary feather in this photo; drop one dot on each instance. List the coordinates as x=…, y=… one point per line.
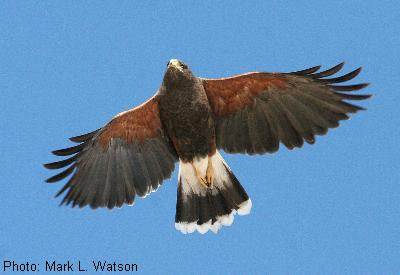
x=319, y=77
x=349, y=87
x=308, y=71
x=70, y=150
x=328, y=72
x=61, y=175
x=60, y=164
x=84, y=137
x=343, y=78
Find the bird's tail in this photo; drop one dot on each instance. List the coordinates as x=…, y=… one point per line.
x=201, y=208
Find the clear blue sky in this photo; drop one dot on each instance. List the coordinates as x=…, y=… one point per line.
x=66, y=67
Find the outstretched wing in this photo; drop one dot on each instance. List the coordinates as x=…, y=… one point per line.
x=128, y=156
x=256, y=111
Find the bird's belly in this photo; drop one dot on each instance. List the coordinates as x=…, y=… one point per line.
x=191, y=130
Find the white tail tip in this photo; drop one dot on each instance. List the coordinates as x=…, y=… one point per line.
x=227, y=220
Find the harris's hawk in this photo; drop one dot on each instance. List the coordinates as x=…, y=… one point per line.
x=188, y=120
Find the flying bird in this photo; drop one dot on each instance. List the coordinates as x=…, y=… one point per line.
x=189, y=120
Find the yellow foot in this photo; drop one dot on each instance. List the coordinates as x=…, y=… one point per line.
x=210, y=173
x=201, y=179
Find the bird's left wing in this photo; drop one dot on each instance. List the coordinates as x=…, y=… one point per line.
x=254, y=112
x=131, y=155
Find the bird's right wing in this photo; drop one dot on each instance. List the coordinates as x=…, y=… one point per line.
x=256, y=111
x=128, y=156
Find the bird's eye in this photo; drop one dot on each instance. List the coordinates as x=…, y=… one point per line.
x=183, y=66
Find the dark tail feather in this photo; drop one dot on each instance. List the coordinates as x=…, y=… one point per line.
x=199, y=208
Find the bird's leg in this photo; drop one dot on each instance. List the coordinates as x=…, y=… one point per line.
x=210, y=173
x=201, y=179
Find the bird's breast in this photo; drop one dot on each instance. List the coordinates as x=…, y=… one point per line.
x=187, y=118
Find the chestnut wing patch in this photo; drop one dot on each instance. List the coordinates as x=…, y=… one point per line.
x=229, y=95
x=129, y=156
x=255, y=112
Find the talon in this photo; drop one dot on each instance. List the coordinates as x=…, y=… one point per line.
x=210, y=173
x=201, y=179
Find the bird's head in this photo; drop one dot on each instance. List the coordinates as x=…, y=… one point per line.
x=175, y=64
x=177, y=74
